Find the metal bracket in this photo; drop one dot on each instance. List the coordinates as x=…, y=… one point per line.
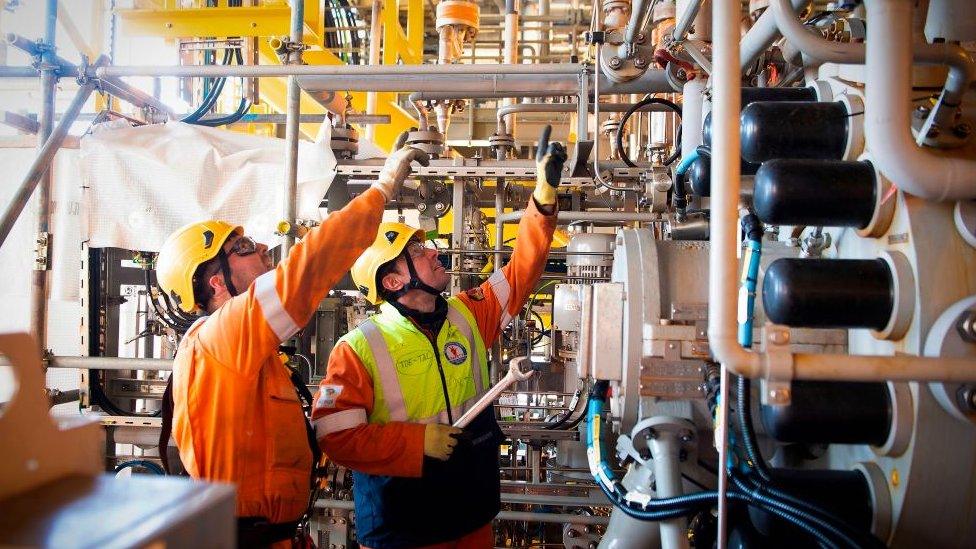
x=42, y=252
x=778, y=365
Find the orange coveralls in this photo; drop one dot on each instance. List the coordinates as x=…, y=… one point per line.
x=237, y=417
x=397, y=448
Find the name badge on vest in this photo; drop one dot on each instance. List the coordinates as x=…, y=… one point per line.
x=455, y=353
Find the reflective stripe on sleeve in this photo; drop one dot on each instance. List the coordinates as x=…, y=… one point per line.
x=461, y=323
x=266, y=292
x=502, y=290
x=387, y=371
x=339, y=421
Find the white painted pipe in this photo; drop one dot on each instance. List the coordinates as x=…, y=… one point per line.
x=762, y=35
x=810, y=42
x=922, y=172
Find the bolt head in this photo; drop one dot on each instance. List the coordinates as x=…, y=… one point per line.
x=779, y=337
x=640, y=62
x=962, y=130
x=681, y=74
x=421, y=207
x=615, y=62
x=921, y=112
x=439, y=206
x=933, y=132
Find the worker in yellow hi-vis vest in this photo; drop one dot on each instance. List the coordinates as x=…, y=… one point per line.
x=397, y=383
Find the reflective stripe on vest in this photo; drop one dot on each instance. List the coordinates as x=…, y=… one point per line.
x=407, y=384
x=386, y=370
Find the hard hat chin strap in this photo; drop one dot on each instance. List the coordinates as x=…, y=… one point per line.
x=414, y=284
x=225, y=270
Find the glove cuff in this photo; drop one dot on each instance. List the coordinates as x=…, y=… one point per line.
x=544, y=194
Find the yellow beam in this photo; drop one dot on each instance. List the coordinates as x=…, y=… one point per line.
x=246, y=21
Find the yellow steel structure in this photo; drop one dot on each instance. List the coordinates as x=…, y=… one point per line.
x=168, y=19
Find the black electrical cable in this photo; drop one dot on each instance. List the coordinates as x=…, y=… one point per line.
x=758, y=497
x=639, y=105
x=744, y=413
x=765, y=482
x=565, y=417
x=178, y=324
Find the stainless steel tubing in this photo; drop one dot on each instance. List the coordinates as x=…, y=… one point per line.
x=561, y=518
x=109, y=363
x=569, y=217
x=293, y=106
x=336, y=70
x=687, y=19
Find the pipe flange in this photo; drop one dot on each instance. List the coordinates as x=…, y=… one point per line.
x=823, y=90
x=429, y=141
x=855, y=126
x=903, y=290
x=964, y=215
x=501, y=140
x=621, y=65
x=877, y=483
x=902, y=421
x=885, y=199
x=951, y=337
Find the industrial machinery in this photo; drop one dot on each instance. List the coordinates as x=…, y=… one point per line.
x=757, y=326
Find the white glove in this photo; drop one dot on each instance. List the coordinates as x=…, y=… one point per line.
x=397, y=168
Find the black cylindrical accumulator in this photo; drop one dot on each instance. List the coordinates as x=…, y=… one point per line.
x=844, y=493
x=829, y=293
x=751, y=95
x=831, y=413
x=792, y=129
x=819, y=193
x=700, y=173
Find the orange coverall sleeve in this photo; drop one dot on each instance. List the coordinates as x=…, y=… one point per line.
x=502, y=296
x=250, y=326
x=394, y=449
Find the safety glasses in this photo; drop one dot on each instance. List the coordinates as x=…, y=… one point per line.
x=243, y=246
x=416, y=248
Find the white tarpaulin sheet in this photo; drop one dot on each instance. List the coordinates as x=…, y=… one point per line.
x=143, y=183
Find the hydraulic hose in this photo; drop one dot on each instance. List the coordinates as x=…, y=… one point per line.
x=152, y=466
x=639, y=105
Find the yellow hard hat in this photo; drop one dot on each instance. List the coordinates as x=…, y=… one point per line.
x=390, y=241
x=183, y=252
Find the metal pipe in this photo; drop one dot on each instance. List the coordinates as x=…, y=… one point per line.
x=761, y=36
x=41, y=272
x=18, y=72
x=810, y=42
x=109, y=363
x=509, y=252
x=423, y=115
x=558, y=518
x=597, y=178
x=564, y=107
x=134, y=96
x=496, y=348
x=356, y=71
x=561, y=518
x=375, y=42
x=665, y=448
x=686, y=21
x=652, y=81
x=293, y=112
x=511, y=37
x=915, y=170
x=569, y=217
x=638, y=17
x=723, y=239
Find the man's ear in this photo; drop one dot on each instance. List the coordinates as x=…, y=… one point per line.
x=216, y=282
x=391, y=282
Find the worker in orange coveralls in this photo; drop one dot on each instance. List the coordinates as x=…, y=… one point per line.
x=396, y=384
x=234, y=409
